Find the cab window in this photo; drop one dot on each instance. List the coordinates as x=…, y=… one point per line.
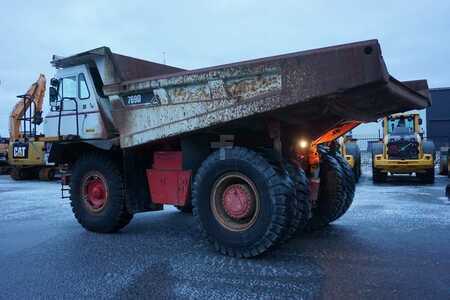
x=407, y=123
x=83, y=90
x=69, y=87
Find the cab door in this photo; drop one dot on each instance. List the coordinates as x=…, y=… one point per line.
x=76, y=113
x=68, y=106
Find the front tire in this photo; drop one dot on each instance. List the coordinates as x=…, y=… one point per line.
x=332, y=194
x=97, y=194
x=240, y=202
x=378, y=176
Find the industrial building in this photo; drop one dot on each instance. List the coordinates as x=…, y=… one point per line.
x=438, y=117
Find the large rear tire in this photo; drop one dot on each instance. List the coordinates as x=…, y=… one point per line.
x=97, y=194
x=348, y=183
x=332, y=193
x=299, y=204
x=241, y=202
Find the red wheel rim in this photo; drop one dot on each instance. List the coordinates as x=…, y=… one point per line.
x=95, y=192
x=234, y=201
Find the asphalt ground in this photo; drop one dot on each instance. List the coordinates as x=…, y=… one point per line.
x=393, y=243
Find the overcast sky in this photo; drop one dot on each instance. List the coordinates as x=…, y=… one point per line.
x=414, y=35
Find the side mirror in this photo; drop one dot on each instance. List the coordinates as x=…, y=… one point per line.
x=54, y=82
x=382, y=123
x=53, y=95
x=420, y=121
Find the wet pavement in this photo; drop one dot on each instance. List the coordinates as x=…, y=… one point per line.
x=393, y=243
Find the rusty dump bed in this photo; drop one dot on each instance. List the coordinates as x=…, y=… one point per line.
x=313, y=90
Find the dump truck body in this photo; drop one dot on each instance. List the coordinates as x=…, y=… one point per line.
x=244, y=146
x=315, y=89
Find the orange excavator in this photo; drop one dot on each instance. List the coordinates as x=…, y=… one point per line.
x=20, y=125
x=26, y=151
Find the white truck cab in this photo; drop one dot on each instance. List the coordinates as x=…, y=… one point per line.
x=79, y=107
x=78, y=98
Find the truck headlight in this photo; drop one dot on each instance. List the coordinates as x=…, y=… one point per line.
x=303, y=143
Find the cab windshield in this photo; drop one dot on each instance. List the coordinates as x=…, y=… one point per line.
x=407, y=123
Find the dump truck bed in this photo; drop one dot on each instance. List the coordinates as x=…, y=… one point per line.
x=313, y=89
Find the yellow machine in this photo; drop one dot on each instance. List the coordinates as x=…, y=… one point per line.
x=4, y=166
x=26, y=150
x=352, y=154
x=444, y=162
x=403, y=149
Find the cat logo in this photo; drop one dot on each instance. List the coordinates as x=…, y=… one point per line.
x=20, y=151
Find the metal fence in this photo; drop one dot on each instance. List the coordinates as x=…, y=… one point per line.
x=365, y=146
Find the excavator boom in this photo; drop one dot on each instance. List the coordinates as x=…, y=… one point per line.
x=35, y=94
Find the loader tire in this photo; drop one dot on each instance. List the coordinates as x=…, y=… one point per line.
x=443, y=163
x=353, y=149
x=427, y=177
x=299, y=204
x=241, y=202
x=348, y=183
x=97, y=194
x=332, y=193
x=377, y=175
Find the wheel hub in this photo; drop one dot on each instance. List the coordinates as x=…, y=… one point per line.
x=96, y=193
x=234, y=201
x=237, y=201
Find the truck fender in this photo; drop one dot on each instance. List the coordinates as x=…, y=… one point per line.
x=69, y=151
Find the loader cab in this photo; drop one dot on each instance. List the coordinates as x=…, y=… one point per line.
x=405, y=123
x=74, y=110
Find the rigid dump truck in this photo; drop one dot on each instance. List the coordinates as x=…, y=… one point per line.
x=403, y=149
x=243, y=145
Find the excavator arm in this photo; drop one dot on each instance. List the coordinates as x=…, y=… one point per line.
x=35, y=94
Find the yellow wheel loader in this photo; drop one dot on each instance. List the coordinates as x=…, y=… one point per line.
x=403, y=149
x=352, y=154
